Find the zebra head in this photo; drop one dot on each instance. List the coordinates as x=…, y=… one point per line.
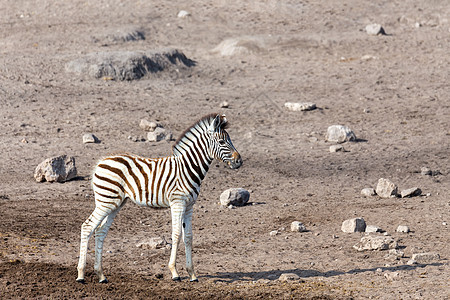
x=220, y=143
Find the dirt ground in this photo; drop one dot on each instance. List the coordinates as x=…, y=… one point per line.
x=391, y=90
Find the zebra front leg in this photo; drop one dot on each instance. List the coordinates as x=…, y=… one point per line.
x=87, y=228
x=177, y=209
x=187, y=235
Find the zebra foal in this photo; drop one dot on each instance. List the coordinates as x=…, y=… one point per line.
x=172, y=181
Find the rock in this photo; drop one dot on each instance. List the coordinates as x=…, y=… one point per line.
x=236, y=46
x=56, y=169
x=411, y=262
x=183, y=14
x=273, y=233
x=403, y=228
x=370, y=242
x=396, y=253
x=300, y=106
x=373, y=228
x=426, y=171
x=288, y=277
x=125, y=35
x=368, y=57
x=354, y=225
x=234, y=196
x=391, y=275
x=428, y=257
x=89, y=138
x=224, y=104
x=368, y=192
x=385, y=188
x=159, y=134
x=153, y=243
x=337, y=148
x=298, y=227
x=375, y=29
x=129, y=65
x=340, y=134
x=148, y=126
x=412, y=192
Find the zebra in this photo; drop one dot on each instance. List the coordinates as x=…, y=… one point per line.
x=169, y=182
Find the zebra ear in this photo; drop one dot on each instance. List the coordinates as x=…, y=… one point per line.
x=220, y=121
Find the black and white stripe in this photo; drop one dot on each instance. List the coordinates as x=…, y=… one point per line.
x=172, y=181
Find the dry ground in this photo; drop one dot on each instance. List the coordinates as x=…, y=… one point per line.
x=397, y=103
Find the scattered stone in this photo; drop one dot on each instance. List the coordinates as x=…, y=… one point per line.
x=125, y=35
x=234, y=196
x=153, y=243
x=375, y=29
x=128, y=65
x=224, y=104
x=396, y=253
x=428, y=257
x=370, y=242
x=236, y=46
x=354, y=225
x=412, y=192
x=289, y=277
x=403, y=228
x=373, y=228
x=90, y=138
x=148, y=125
x=298, y=227
x=368, y=57
x=136, y=138
x=426, y=171
x=340, y=134
x=274, y=232
x=159, y=134
x=183, y=14
x=56, y=169
x=391, y=275
x=368, y=192
x=385, y=188
x=336, y=148
x=411, y=262
x=293, y=106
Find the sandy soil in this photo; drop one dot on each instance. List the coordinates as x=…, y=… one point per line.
x=396, y=100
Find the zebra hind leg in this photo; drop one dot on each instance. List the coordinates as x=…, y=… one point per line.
x=87, y=228
x=100, y=235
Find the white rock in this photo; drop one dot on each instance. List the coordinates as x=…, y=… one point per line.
x=273, y=233
x=396, y=253
x=224, y=104
x=354, y=225
x=391, y=275
x=234, y=196
x=375, y=29
x=368, y=57
x=159, y=134
x=415, y=191
x=236, y=46
x=403, y=228
x=298, y=226
x=425, y=257
x=294, y=106
x=370, y=242
x=373, y=228
x=336, y=148
x=288, y=277
x=148, y=125
x=368, y=192
x=89, y=138
x=183, y=14
x=340, y=134
x=426, y=171
x=411, y=262
x=56, y=169
x=385, y=188
x=153, y=243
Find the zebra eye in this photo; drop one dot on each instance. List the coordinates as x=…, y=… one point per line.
x=222, y=143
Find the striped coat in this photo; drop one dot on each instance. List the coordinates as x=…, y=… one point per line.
x=172, y=182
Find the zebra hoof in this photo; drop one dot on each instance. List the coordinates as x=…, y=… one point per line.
x=81, y=280
x=176, y=279
x=103, y=281
x=194, y=280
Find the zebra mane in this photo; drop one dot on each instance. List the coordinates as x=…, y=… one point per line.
x=201, y=125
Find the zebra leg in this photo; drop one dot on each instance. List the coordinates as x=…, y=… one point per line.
x=187, y=236
x=100, y=235
x=87, y=228
x=177, y=209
